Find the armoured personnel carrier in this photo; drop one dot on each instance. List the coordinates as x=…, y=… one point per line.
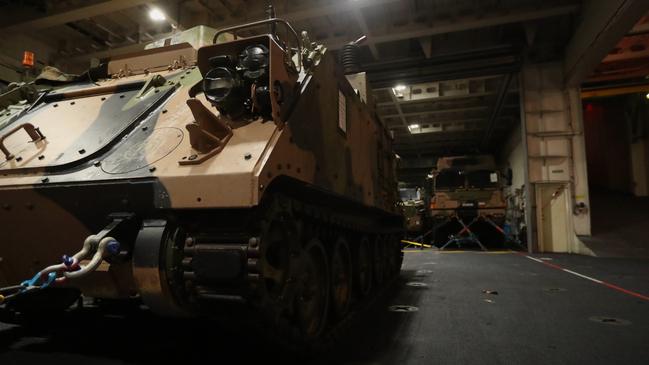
x=207, y=171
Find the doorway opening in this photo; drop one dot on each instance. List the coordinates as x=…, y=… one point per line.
x=617, y=150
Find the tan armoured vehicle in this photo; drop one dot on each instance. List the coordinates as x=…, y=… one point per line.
x=206, y=170
x=466, y=187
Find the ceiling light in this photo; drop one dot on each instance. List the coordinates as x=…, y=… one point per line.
x=647, y=96
x=398, y=90
x=157, y=15
x=413, y=126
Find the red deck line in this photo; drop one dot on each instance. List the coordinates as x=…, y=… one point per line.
x=601, y=282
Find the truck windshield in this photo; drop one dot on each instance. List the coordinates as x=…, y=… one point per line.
x=449, y=179
x=409, y=194
x=482, y=179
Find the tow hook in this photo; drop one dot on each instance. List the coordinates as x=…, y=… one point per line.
x=96, y=247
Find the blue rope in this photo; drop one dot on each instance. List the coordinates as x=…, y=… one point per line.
x=51, y=277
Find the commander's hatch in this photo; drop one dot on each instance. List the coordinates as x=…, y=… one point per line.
x=73, y=126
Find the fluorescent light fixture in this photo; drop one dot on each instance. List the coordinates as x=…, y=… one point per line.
x=157, y=15
x=413, y=127
x=398, y=90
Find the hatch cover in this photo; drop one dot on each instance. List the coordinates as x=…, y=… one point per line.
x=76, y=129
x=142, y=149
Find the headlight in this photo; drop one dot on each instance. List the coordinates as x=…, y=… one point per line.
x=254, y=59
x=222, y=87
x=219, y=83
x=230, y=81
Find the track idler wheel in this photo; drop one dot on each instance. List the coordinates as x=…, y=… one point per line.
x=341, y=278
x=278, y=241
x=362, y=265
x=157, y=252
x=312, y=291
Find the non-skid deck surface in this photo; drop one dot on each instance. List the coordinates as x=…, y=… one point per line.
x=540, y=315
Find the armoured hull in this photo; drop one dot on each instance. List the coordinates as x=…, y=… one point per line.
x=245, y=171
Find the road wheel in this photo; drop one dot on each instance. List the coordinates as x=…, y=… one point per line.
x=275, y=255
x=394, y=256
x=312, y=299
x=362, y=266
x=378, y=260
x=341, y=278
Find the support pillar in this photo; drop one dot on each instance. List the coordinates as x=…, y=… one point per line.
x=557, y=185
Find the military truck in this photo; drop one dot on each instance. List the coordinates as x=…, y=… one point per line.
x=207, y=171
x=466, y=187
x=414, y=209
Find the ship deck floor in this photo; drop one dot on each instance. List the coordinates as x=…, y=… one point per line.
x=541, y=314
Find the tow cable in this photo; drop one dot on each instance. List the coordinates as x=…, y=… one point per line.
x=69, y=268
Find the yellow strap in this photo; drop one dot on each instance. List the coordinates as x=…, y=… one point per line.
x=415, y=243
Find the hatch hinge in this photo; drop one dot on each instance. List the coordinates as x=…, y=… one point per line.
x=152, y=82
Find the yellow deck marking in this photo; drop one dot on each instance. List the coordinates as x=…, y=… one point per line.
x=500, y=252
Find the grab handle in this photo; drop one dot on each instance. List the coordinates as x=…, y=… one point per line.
x=271, y=21
x=34, y=133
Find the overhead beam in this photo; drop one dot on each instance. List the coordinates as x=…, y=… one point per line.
x=401, y=33
x=604, y=24
x=614, y=91
x=293, y=16
x=209, y=10
x=416, y=163
x=449, y=134
x=439, y=111
x=433, y=100
x=624, y=56
x=639, y=29
x=228, y=7
x=479, y=78
x=447, y=137
x=462, y=67
x=459, y=25
x=444, y=122
x=360, y=19
x=638, y=74
x=433, y=146
x=495, y=113
x=437, y=149
x=450, y=123
x=71, y=15
x=426, y=44
x=336, y=8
